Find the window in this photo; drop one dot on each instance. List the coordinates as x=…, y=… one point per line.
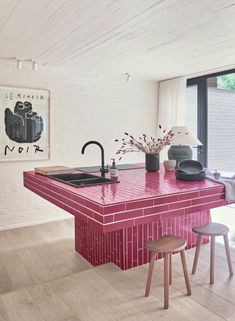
x=211, y=109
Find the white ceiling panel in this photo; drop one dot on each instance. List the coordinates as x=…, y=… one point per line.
x=154, y=39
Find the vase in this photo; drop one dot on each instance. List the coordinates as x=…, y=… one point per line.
x=152, y=162
x=169, y=165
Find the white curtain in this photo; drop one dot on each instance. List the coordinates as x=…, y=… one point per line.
x=171, y=104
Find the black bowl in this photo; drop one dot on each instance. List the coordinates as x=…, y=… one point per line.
x=190, y=177
x=190, y=166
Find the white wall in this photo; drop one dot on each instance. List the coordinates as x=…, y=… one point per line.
x=81, y=109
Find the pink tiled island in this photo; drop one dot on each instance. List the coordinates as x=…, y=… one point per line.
x=113, y=221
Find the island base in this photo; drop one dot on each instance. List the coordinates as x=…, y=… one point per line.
x=125, y=247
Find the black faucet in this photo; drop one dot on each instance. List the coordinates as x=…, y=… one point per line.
x=103, y=169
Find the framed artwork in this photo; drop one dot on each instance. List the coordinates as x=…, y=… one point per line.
x=24, y=124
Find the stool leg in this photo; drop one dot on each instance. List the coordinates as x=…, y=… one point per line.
x=166, y=280
x=199, y=240
x=212, y=260
x=170, y=269
x=186, y=277
x=226, y=244
x=150, y=273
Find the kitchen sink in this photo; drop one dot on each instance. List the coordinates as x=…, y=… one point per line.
x=72, y=177
x=83, y=179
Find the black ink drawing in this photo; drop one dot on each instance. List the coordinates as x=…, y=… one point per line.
x=24, y=126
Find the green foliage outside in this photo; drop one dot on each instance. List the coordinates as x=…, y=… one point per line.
x=226, y=82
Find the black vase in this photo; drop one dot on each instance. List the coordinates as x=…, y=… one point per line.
x=152, y=162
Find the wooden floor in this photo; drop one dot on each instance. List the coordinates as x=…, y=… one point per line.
x=38, y=254
x=43, y=279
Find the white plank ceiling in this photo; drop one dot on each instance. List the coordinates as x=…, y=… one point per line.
x=153, y=39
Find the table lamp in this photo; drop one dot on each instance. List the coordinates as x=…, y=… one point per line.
x=180, y=145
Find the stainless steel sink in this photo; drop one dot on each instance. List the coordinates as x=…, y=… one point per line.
x=81, y=180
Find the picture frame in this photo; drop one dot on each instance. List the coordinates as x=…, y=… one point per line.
x=24, y=123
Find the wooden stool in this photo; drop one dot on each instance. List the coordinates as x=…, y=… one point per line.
x=212, y=230
x=167, y=245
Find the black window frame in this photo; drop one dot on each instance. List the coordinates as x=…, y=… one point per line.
x=202, y=111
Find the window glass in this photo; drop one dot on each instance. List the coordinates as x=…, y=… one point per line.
x=221, y=122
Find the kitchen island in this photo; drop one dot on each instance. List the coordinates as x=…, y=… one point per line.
x=113, y=221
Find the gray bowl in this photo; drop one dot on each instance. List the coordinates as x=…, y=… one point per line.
x=190, y=166
x=190, y=177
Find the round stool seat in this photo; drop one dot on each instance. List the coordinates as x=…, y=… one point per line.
x=214, y=229
x=166, y=244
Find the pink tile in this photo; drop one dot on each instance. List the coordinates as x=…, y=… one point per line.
x=146, y=186
x=118, y=226
x=76, y=213
x=139, y=204
x=128, y=214
x=196, y=208
x=172, y=214
x=48, y=191
x=114, y=208
x=165, y=200
x=140, y=257
x=204, y=200
x=93, y=206
x=75, y=205
x=186, y=196
x=156, y=209
x=100, y=239
x=87, y=211
x=140, y=236
x=60, y=191
x=147, y=219
x=77, y=199
x=129, y=234
x=103, y=219
x=98, y=217
x=214, y=204
x=95, y=224
x=82, y=209
x=181, y=204
x=71, y=210
x=108, y=219
x=212, y=191
x=134, y=230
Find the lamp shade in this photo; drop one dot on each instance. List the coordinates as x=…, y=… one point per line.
x=183, y=136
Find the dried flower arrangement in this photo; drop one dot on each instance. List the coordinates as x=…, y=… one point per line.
x=146, y=144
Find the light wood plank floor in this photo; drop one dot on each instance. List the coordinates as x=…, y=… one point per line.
x=43, y=279
x=37, y=254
